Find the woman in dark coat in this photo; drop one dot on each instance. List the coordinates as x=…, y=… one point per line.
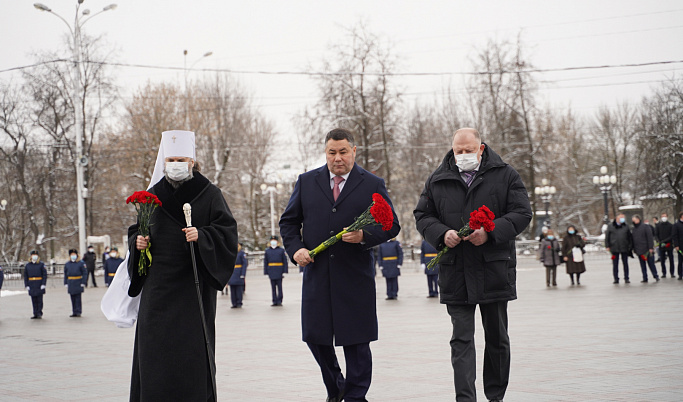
x=570, y=243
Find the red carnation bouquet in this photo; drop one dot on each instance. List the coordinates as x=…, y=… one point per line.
x=479, y=218
x=378, y=213
x=645, y=256
x=145, y=203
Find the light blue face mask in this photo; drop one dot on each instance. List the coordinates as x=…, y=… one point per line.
x=551, y=237
x=622, y=220
x=570, y=231
x=73, y=257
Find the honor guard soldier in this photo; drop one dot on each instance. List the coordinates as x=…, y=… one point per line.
x=275, y=265
x=428, y=253
x=75, y=277
x=89, y=258
x=35, y=279
x=236, y=281
x=111, y=264
x=390, y=259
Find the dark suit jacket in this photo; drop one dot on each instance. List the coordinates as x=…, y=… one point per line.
x=338, y=292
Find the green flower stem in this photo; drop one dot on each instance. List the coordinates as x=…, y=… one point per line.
x=327, y=243
x=436, y=259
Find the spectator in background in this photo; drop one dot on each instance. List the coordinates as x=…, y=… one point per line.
x=89, y=260
x=573, y=249
x=427, y=253
x=619, y=242
x=75, y=277
x=677, y=240
x=550, y=257
x=35, y=280
x=275, y=265
x=655, y=221
x=390, y=259
x=111, y=264
x=236, y=281
x=643, y=246
x=664, y=233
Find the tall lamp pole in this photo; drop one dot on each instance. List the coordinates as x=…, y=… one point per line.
x=605, y=182
x=187, y=71
x=546, y=192
x=272, y=190
x=81, y=160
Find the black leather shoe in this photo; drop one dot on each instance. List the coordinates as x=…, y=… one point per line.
x=337, y=398
x=627, y=281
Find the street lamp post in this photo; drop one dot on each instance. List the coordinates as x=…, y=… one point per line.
x=81, y=160
x=187, y=71
x=605, y=182
x=546, y=192
x=272, y=190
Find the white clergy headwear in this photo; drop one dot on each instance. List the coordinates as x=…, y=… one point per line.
x=178, y=143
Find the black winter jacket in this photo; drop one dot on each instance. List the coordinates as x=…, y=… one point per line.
x=618, y=238
x=469, y=274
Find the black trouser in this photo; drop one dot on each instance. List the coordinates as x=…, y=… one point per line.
x=663, y=254
x=236, y=294
x=680, y=265
x=358, y=370
x=551, y=273
x=37, y=302
x=276, y=287
x=76, y=304
x=615, y=265
x=91, y=274
x=433, y=284
x=494, y=319
x=392, y=287
x=651, y=263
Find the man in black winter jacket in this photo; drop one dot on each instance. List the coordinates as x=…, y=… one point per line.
x=677, y=240
x=479, y=268
x=619, y=242
x=664, y=233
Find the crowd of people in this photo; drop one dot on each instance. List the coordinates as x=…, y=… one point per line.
x=646, y=242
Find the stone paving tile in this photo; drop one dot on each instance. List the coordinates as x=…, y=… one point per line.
x=594, y=342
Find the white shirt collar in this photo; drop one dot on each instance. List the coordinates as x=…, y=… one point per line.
x=345, y=176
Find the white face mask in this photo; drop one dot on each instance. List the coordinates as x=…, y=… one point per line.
x=177, y=171
x=466, y=162
x=273, y=243
x=112, y=254
x=90, y=250
x=73, y=257
x=34, y=258
x=664, y=219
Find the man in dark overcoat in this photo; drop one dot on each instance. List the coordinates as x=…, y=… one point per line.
x=89, y=258
x=35, y=280
x=643, y=247
x=677, y=243
x=275, y=265
x=619, y=242
x=664, y=233
x=390, y=259
x=171, y=360
x=427, y=254
x=479, y=269
x=338, y=305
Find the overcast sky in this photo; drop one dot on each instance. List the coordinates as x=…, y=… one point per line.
x=427, y=36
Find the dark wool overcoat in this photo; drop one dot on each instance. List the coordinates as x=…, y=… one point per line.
x=338, y=292
x=568, y=243
x=170, y=360
x=471, y=274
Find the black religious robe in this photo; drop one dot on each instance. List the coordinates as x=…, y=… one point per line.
x=170, y=359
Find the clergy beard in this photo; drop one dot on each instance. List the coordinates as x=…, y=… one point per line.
x=176, y=184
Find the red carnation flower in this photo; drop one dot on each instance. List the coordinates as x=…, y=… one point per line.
x=614, y=256
x=643, y=257
x=381, y=212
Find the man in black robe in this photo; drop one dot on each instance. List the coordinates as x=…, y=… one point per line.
x=170, y=359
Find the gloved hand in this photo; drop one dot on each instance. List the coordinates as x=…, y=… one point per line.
x=66, y=286
x=241, y=277
x=28, y=288
x=82, y=285
x=399, y=267
x=42, y=287
x=423, y=266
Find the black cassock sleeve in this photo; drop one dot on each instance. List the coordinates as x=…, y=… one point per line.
x=217, y=243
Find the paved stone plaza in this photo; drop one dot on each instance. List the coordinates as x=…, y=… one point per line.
x=594, y=342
